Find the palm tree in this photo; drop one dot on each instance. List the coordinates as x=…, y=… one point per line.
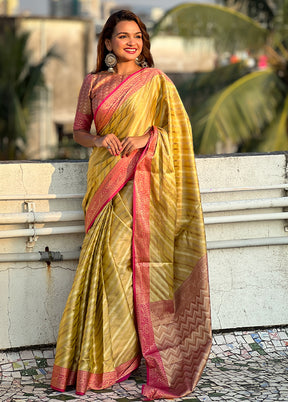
x=248, y=109
x=261, y=11
x=19, y=87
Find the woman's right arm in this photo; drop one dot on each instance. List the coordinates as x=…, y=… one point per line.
x=109, y=141
x=84, y=119
x=84, y=138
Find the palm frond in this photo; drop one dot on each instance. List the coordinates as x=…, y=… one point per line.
x=19, y=88
x=238, y=113
x=259, y=10
x=33, y=79
x=275, y=137
x=229, y=29
x=196, y=89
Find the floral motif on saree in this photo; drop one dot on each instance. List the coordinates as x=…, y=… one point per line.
x=141, y=286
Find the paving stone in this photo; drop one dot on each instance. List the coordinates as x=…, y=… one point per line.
x=219, y=339
x=3, y=358
x=6, y=367
x=18, y=365
x=248, y=338
x=217, y=349
x=26, y=354
x=230, y=338
x=239, y=339
x=264, y=336
x=49, y=354
x=50, y=362
x=13, y=356
x=273, y=334
x=283, y=335
x=247, y=347
x=16, y=374
x=37, y=354
x=224, y=347
x=277, y=343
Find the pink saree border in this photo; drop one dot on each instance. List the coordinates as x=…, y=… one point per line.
x=161, y=383
x=114, y=90
x=189, y=330
x=115, y=180
x=141, y=281
x=121, y=93
x=85, y=380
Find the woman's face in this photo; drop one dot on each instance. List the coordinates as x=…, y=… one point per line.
x=126, y=42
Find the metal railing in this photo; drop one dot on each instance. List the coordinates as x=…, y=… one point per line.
x=33, y=217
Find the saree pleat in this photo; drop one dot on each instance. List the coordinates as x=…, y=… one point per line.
x=97, y=332
x=141, y=287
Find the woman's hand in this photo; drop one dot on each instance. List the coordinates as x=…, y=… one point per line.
x=129, y=144
x=110, y=142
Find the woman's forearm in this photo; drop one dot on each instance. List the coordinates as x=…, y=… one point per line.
x=108, y=141
x=86, y=139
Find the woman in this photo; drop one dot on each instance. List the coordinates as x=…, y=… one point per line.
x=141, y=287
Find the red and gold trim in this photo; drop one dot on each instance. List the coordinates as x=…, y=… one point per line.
x=116, y=179
x=63, y=377
x=120, y=95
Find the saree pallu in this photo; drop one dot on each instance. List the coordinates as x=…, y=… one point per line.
x=141, y=286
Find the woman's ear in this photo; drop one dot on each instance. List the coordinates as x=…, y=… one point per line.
x=108, y=44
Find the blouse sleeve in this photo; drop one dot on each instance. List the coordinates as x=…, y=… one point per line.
x=84, y=113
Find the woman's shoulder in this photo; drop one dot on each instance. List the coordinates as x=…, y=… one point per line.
x=88, y=80
x=91, y=80
x=156, y=72
x=92, y=77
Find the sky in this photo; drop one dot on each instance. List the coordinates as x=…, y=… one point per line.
x=165, y=4
x=42, y=7
x=34, y=6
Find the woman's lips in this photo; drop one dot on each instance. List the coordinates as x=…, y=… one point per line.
x=128, y=50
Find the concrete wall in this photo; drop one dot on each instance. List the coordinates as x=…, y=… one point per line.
x=177, y=55
x=248, y=283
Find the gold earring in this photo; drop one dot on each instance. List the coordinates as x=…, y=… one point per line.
x=140, y=61
x=110, y=61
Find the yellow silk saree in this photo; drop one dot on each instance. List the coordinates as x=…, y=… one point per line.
x=141, y=286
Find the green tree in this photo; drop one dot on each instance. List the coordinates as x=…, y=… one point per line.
x=232, y=104
x=260, y=10
x=19, y=87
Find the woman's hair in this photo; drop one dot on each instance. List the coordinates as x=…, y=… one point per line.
x=107, y=31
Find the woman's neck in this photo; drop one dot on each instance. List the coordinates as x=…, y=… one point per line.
x=127, y=68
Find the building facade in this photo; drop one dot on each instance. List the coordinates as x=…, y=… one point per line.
x=75, y=8
x=8, y=7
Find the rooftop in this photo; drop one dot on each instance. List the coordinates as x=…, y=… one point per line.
x=244, y=199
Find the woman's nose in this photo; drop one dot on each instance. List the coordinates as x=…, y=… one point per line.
x=131, y=40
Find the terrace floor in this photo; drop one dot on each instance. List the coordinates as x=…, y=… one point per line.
x=243, y=366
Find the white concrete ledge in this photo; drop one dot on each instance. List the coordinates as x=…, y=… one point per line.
x=245, y=209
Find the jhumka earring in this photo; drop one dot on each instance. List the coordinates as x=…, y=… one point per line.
x=140, y=61
x=110, y=61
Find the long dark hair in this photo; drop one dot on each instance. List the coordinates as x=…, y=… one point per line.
x=107, y=31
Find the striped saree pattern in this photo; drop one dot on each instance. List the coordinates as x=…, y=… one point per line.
x=141, y=286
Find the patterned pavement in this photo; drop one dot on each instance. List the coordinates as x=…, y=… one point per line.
x=243, y=366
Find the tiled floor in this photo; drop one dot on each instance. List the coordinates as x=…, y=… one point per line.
x=243, y=366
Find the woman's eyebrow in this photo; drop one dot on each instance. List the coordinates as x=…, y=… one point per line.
x=127, y=33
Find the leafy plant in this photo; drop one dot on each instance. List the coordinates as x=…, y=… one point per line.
x=234, y=105
x=19, y=88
